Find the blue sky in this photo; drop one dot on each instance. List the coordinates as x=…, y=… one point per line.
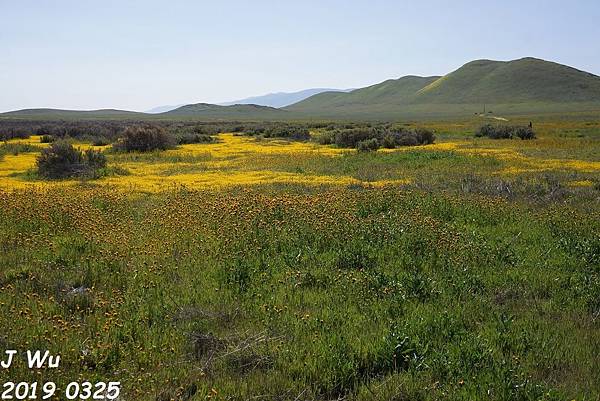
x=139, y=54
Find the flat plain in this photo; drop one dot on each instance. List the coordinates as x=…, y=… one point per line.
x=251, y=268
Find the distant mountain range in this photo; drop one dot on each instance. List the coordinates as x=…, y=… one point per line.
x=282, y=99
x=523, y=86
x=163, y=109
x=278, y=100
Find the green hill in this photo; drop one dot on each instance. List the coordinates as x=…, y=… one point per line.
x=519, y=81
x=236, y=111
x=390, y=92
x=200, y=111
x=513, y=87
x=52, y=114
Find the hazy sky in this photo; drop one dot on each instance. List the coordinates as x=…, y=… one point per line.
x=139, y=54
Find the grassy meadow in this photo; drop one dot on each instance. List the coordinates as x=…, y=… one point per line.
x=250, y=269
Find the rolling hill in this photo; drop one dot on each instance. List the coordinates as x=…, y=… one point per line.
x=200, y=111
x=393, y=91
x=526, y=85
x=47, y=113
x=237, y=111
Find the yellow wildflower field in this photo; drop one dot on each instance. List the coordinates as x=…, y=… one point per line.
x=236, y=160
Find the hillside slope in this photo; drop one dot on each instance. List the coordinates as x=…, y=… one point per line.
x=526, y=85
x=518, y=81
x=392, y=91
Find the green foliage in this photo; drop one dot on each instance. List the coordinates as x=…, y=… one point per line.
x=413, y=292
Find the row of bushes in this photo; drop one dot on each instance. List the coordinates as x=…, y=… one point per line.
x=106, y=132
x=280, y=131
x=10, y=131
x=103, y=132
x=147, y=138
x=191, y=137
x=505, y=132
x=366, y=139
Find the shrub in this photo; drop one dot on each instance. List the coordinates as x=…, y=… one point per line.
x=325, y=138
x=94, y=159
x=46, y=139
x=145, y=138
x=406, y=138
x=388, y=141
x=349, y=138
x=289, y=132
x=16, y=148
x=486, y=130
x=424, y=136
x=368, y=145
x=504, y=132
x=258, y=130
x=190, y=137
x=385, y=136
x=524, y=133
x=13, y=133
x=100, y=141
x=62, y=160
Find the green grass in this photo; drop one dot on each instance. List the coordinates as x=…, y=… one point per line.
x=363, y=294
